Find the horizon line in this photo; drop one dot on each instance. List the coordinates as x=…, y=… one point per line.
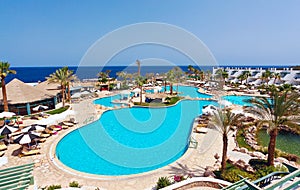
x=225, y=65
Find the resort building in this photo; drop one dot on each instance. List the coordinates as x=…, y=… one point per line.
x=287, y=75
x=22, y=97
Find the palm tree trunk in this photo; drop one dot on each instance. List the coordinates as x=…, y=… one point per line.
x=171, y=88
x=63, y=95
x=69, y=93
x=141, y=98
x=5, y=103
x=224, y=154
x=165, y=86
x=271, y=147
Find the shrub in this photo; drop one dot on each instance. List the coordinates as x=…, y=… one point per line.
x=52, y=187
x=257, y=163
x=174, y=100
x=163, y=182
x=240, y=138
x=178, y=178
x=232, y=175
x=74, y=184
x=262, y=169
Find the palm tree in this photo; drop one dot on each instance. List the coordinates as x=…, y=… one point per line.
x=208, y=75
x=122, y=77
x=140, y=81
x=150, y=77
x=222, y=75
x=60, y=77
x=4, y=71
x=198, y=74
x=191, y=70
x=130, y=76
x=246, y=74
x=287, y=87
x=178, y=74
x=139, y=67
x=69, y=78
x=102, y=77
x=171, y=78
x=273, y=113
x=223, y=120
x=267, y=75
x=242, y=77
x=276, y=76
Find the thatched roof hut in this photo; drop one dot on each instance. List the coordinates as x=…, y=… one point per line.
x=51, y=88
x=21, y=96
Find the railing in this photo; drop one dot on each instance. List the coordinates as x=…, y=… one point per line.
x=193, y=143
x=266, y=180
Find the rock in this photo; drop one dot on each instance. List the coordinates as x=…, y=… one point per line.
x=217, y=166
x=236, y=148
x=281, y=160
x=240, y=163
x=257, y=155
x=216, y=156
x=209, y=168
x=244, y=150
x=248, y=168
x=209, y=173
x=230, y=161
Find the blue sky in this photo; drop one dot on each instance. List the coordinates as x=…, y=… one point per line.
x=59, y=32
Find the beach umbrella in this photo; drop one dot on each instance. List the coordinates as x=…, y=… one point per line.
x=27, y=137
x=6, y=114
x=209, y=109
x=225, y=103
x=46, y=121
x=242, y=86
x=34, y=127
x=136, y=90
x=158, y=88
x=6, y=129
x=76, y=95
x=40, y=108
x=125, y=92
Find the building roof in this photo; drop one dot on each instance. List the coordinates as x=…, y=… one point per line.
x=50, y=88
x=19, y=92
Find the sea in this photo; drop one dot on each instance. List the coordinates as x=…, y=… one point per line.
x=36, y=74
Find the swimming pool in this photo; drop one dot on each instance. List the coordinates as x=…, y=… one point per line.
x=239, y=100
x=183, y=91
x=130, y=140
x=107, y=101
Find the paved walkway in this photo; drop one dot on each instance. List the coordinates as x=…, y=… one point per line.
x=46, y=172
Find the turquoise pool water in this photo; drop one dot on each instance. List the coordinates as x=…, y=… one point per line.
x=238, y=100
x=184, y=91
x=130, y=140
x=107, y=101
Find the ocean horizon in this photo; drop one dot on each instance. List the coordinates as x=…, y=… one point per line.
x=35, y=74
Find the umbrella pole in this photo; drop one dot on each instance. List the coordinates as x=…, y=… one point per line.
x=8, y=140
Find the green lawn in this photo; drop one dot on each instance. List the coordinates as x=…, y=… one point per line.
x=59, y=110
x=172, y=101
